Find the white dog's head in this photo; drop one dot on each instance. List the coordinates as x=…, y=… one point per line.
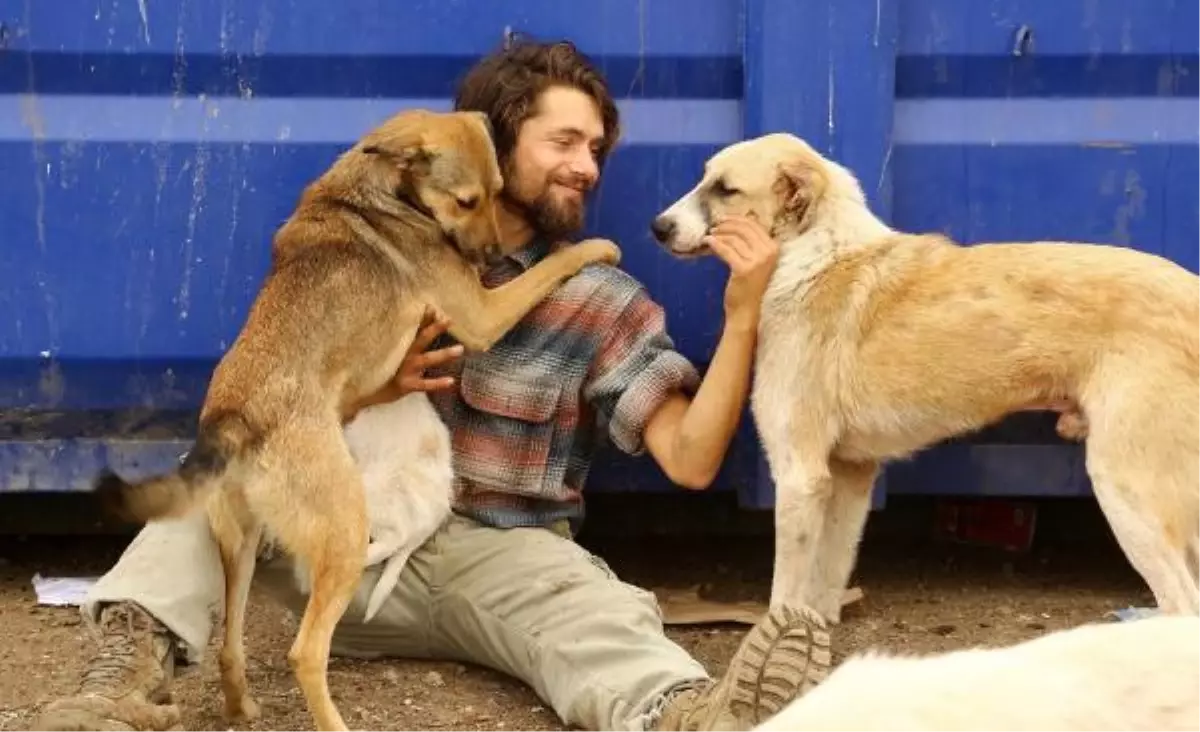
x=776, y=179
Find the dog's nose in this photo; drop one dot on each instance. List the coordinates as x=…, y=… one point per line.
x=663, y=229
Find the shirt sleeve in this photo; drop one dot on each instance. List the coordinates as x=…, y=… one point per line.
x=635, y=369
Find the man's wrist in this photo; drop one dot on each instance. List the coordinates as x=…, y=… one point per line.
x=744, y=322
x=739, y=329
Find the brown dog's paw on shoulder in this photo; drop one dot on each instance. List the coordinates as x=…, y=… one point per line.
x=599, y=250
x=1072, y=425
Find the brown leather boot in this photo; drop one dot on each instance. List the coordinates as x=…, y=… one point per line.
x=783, y=656
x=126, y=685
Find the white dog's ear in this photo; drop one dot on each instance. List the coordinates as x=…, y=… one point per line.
x=800, y=185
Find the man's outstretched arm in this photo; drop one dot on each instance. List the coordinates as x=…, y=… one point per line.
x=689, y=437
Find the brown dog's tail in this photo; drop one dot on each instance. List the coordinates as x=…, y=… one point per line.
x=221, y=440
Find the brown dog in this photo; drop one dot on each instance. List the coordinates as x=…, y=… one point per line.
x=399, y=223
x=874, y=344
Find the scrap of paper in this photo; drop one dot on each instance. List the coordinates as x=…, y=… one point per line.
x=61, y=591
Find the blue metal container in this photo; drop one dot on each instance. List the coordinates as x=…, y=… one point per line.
x=150, y=149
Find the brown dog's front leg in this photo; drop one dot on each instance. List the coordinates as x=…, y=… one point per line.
x=498, y=310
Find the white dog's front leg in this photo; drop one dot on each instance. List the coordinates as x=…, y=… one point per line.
x=849, y=504
x=801, y=502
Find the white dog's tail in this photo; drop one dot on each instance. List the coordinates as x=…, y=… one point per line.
x=387, y=581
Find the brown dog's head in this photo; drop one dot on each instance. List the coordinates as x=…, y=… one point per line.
x=776, y=179
x=444, y=165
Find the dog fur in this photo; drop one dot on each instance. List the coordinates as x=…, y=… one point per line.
x=399, y=223
x=408, y=485
x=1139, y=675
x=874, y=344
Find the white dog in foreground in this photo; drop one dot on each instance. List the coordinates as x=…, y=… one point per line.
x=1139, y=675
x=403, y=450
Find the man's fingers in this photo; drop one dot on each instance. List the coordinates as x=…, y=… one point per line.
x=734, y=238
x=421, y=384
x=432, y=327
x=439, y=357
x=753, y=236
x=722, y=247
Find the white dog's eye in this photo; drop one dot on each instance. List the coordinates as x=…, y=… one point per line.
x=723, y=189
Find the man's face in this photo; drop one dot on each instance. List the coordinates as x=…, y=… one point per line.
x=553, y=166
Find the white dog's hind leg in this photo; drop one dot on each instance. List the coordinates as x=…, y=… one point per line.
x=849, y=504
x=1148, y=548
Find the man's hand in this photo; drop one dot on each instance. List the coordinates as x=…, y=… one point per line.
x=410, y=376
x=751, y=254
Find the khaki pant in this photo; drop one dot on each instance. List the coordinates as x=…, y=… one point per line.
x=527, y=602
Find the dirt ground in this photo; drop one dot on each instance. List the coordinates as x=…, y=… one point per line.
x=921, y=595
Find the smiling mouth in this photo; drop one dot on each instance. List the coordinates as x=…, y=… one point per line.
x=577, y=192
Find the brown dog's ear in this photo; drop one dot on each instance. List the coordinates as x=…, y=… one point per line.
x=486, y=121
x=407, y=157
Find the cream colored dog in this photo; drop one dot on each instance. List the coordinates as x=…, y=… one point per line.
x=874, y=344
x=1140, y=675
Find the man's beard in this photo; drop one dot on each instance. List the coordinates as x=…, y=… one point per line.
x=552, y=219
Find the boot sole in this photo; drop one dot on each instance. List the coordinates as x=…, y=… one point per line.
x=783, y=657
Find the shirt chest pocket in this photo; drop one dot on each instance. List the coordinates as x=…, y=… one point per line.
x=512, y=417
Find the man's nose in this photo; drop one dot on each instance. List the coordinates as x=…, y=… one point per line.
x=583, y=165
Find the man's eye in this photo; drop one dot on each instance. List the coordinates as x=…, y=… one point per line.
x=468, y=203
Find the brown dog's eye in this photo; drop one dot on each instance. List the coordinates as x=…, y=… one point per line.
x=468, y=204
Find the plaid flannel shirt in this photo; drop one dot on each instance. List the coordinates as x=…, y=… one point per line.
x=592, y=361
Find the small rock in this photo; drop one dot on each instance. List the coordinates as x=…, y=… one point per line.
x=392, y=675
x=408, y=702
x=1036, y=626
x=536, y=709
x=460, y=669
x=434, y=679
x=943, y=630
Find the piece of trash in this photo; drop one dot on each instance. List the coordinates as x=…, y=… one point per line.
x=62, y=591
x=686, y=607
x=1132, y=613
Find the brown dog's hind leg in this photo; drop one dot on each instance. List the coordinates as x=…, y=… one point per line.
x=319, y=515
x=334, y=575
x=237, y=539
x=478, y=322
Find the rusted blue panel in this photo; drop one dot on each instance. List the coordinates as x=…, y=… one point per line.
x=149, y=150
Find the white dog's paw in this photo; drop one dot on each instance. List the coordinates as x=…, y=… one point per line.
x=829, y=606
